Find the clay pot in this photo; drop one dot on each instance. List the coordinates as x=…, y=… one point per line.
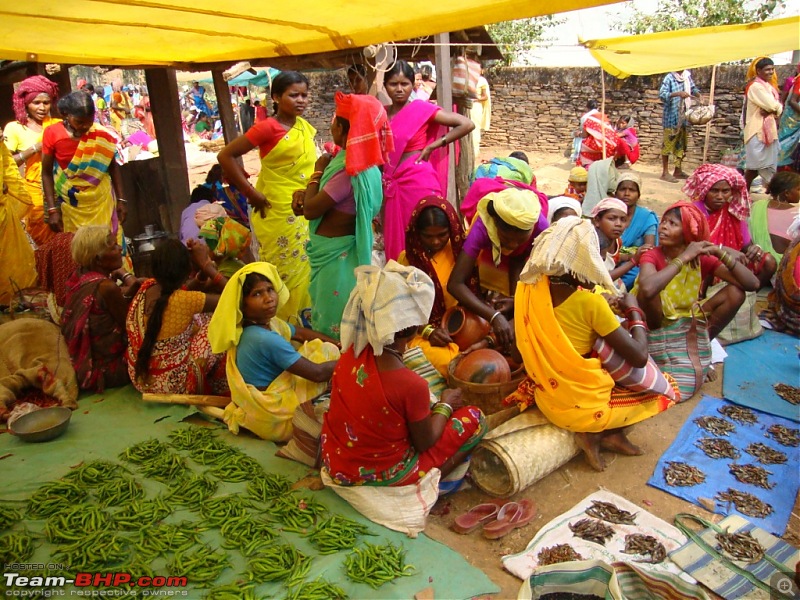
x=483, y=366
x=464, y=327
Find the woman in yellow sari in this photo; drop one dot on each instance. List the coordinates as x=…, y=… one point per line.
x=16, y=254
x=434, y=238
x=32, y=101
x=267, y=376
x=558, y=320
x=286, y=146
x=79, y=170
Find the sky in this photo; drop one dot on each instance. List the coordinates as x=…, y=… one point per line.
x=595, y=23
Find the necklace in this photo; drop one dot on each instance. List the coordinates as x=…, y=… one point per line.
x=557, y=281
x=393, y=352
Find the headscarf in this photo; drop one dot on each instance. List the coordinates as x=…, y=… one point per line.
x=417, y=257
x=578, y=175
x=693, y=221
x=570, y=246
x=225, y=237
x=383, y=302
x=515, y=207
x=609, y=204
x=209, y=211
x=27, y=91
x=369, y=140
x=706, y=176
x=628, y=175
x=752, y=73
x=560, y=202
x=225, y=327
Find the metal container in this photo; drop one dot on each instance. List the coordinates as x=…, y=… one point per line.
x=41, y=425
x=147, y=242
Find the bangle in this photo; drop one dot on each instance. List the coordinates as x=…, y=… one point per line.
x=427, y=331
x=122, y=200
x=217, y=278
x=316, y=174
x=677, y=263
x=442, y=408
x=494, y=316
x=727, y=260
x=124, y=277
x=53, y=209
x=633, y=309
x=490, y=340
x=444, y=141
x=642, y=324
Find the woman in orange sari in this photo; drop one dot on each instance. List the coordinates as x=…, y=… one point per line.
x=32, y=102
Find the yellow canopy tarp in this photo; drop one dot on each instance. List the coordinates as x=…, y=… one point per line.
x=178, y=32
x=653, y=53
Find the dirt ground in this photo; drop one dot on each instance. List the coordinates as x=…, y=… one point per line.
x=562, y=489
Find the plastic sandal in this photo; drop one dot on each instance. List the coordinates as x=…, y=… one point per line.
x=475, y=517
x=510, y=517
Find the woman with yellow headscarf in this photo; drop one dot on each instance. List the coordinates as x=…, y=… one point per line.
x=558, y=321
x=500, y=239
x=267, y=376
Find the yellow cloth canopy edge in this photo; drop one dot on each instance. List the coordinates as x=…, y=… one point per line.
x=667, y=51
x=179, y=36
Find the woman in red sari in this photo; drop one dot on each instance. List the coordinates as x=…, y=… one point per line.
x=596, y=127
x=417, y=167
x=721, y=194
x=380, y=429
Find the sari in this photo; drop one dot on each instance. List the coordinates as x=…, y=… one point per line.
x=287, y=161
x=644, y=222
x=365, y=438
x=783, y=309
x=333, y=259
x=438, y=267
x=789, y=131
x=117, y=116
x=597, y=128
x=19, y=137
x=180, y=364
x=16, y=253
x=574, y=392
x=761, y=229
x=406, y=182
x=96, y=343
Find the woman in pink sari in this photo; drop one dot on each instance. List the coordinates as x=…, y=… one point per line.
x=417, y=167
x=596, y=126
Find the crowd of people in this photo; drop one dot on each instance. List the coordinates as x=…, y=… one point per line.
x=330, y=267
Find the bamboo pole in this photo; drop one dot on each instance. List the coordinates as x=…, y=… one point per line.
x=603, y=107
x=710, y=103
x=191, y=399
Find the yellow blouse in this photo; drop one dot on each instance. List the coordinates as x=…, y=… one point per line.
x=583, y=316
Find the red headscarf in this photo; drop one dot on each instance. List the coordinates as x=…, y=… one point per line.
x=417, y=257
x=695, y=226
x=369, y=140
x=725, y=224
x=27, y=91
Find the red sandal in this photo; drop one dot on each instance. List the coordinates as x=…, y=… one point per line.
x=476, y=516
x=510, y=517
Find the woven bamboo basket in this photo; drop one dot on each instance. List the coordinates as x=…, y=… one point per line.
x=519, y=453
x=486, y=396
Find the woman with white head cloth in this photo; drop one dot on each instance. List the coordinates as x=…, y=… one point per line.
x=558, y=321
x=380, y=428
x=562, y=206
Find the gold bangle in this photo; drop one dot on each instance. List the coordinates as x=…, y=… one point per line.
x=427, y=331
x=677, y=263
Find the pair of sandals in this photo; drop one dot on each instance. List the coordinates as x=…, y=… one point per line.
x=496, y=518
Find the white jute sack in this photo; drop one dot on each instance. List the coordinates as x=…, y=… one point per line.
x=520, y=452
x=403, y=508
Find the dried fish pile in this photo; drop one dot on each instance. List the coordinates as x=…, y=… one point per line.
x=785, y=436
x=718, y=448
x=752, y=474
x=592, y=531
x=766, y=455
x=739, y=414
x=788, y=392
x=645, y=545
x=741, y=546
x=716, y=425
x=607, y=511
x=745, y=503
x=680, y=474
x=557, y=554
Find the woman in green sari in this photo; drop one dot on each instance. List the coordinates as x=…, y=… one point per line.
x=343, y=197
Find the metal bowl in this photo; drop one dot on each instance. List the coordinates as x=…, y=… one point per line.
x=42, y=425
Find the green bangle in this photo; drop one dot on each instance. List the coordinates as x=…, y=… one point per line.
x=442, y=408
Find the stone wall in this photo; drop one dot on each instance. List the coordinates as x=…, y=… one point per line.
x=538, y=108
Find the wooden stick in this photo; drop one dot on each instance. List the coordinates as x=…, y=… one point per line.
x=603, y=108
x=191, y=399
x=710, y=103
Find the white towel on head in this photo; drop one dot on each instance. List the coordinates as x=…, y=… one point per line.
x=383, y=302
